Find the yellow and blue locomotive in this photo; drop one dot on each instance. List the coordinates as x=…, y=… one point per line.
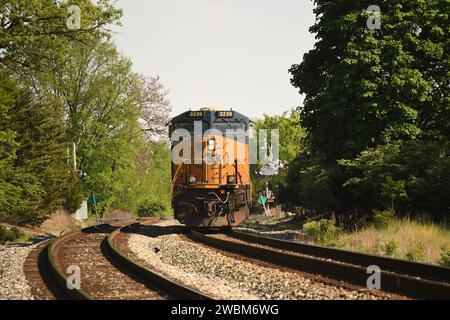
x=210, y=168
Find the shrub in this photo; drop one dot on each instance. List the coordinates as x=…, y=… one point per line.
x=309, y=185
x=416, y=254
x=74, y=193
x=322, y=231
x=390, y=249
x=393, y=190
x=151, y=208
x=414, y=174
x=446, y=259
x=7, y=235
x=381, y=219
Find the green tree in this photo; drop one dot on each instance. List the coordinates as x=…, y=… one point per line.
x=104, y=104
x=75, y=88
x=364, y=87
x=7, y=144
x=309, y=184
x=415, y=174
x=290, y=131
x=376, y=105
x=32, y=31
x=150, y=183
x=393, y=190
x=291, y=135
x=93, y=87
x=35, y=178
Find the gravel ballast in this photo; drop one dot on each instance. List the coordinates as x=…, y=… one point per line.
x=13, y=282
x=226, y=277
x=289, y=235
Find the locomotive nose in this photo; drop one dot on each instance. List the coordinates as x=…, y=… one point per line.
x=212, y=186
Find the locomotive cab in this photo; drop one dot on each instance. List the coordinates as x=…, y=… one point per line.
x=210, y=168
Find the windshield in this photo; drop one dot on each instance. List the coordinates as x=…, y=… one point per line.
x=189, y=126
x=224, y=125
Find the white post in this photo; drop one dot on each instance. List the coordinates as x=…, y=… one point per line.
x=82, y=213
x=74, y=157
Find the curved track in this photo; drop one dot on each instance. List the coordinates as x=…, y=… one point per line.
x=109, y=272
x=117, y=245
x=106, y=272
x=420, y=270
x=100, y=278
x=38, y=274
x=407, y=278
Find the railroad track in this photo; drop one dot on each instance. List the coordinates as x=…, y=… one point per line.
x=414, y=280
x=38, y=274
x=110, y=271
x=117, y=243
x=106, y=271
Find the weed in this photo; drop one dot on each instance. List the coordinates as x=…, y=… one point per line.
x=445, y=259
x=390, y=249
x=434, y=240
x=381, y=219
x=8, y=235
x=416, y=254
x=322, y=231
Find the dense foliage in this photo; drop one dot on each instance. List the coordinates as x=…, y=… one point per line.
x=151, y=209
x=60, y=87
x=291, y=135
x=377, y=109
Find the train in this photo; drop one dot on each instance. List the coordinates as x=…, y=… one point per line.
x=211, y=184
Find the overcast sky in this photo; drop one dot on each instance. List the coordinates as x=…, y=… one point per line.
x=227, y=53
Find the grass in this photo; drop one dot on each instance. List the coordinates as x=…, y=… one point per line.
x=13, y=234
x=408, y=239
x=323, y=231
x=9, y=234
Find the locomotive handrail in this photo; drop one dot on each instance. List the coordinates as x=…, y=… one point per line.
x=248, y=174
x=176, y=173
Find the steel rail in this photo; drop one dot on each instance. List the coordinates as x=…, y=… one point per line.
x=149, y=276
x=58, y=275
x=422, y=270
x=392, y=282
x=40, y=276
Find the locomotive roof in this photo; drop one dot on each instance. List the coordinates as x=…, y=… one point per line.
x=209, y=115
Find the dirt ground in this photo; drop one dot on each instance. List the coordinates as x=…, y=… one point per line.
x=60, y=223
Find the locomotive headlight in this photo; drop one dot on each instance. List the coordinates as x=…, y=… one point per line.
x=231, y=179
x=212, y=145
x=192, y=180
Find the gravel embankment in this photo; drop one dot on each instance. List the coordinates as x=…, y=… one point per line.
x=226, y=277
x=13, y=283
